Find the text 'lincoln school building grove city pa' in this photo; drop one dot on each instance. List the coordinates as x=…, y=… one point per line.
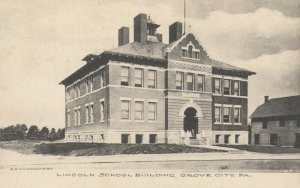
x=151, y=92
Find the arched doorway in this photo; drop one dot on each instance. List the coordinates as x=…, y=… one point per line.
x=190, y=122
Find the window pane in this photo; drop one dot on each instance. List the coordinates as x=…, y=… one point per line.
x=217, y=85
x=226, y=87
x=217, y=114
x=139, y=110
x=179, y=80
x=125, y=106
x=152, y=111
x=138, y=77
x=190, y=82
x=200, y=79
x=236, y=86
x=226, y=115
x=236, y=115
x=124, y=76
x=190, y=51
x=151, y=79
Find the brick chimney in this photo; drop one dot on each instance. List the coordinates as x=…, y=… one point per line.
x=266, y=98
x=175, y=31
x=123, y=36
x=140, y=28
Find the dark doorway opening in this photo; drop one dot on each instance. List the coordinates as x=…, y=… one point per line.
x=273, y=139
x=256, y=139
x=191, y=121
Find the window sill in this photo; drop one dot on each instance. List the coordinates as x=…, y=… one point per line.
x=125, y=120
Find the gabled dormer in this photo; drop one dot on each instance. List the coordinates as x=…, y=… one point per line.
x=185, y=47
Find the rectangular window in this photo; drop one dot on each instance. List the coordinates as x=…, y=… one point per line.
x=200, y=79
x=217, y=89
x=179, y=80
x=265, y=124
x=125, y=76
x=226, y=115
x=75, y=117
x=217, y=139
x=125, y=109
x=226, y=87
x=91, y=82
x=68, y=119
x=190, y=82
x=92, y=113
x=125, y=138
x=138, y=77
x=197, y=55
x=87, y=114
x=101, y=78
x=236, y=115
x=138, y=138
x=139, y=110
x=226, y=139
x=78, y=116
x=282, y=122
x=152, y=138
x=236, y=88
x=237, y=138
x=184, y=53
x=217, y=115
x=151, y=79
x=152, y=111
x=101, y=110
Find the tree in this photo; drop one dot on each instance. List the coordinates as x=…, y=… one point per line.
x=60, y=134
x=33, y=132
x=44, y=133
x=52, y=135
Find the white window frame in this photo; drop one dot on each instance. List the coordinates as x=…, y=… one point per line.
x=193, y=81
x=129, y=109
x=141, y=77
x=239, y=89
x=152, y=79
x=181, y=80
x=203, y=82
x=239, y=115
x=125, y=76
x=229, y=81
x=102, y=110
x=220, y=115
x=142, y=109
x=219, y=88
x=155, y=110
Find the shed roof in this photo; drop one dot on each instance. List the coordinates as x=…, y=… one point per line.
x=285, y=106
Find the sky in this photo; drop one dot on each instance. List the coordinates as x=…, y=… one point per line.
x=42, y=42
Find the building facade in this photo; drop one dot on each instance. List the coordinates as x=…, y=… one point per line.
x=277, y=122
x=151, y=92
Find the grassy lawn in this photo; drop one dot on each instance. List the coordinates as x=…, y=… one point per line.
x=264, y=149
x=21, y=146
x=94, y=149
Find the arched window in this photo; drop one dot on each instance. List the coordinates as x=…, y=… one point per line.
x=190, y=52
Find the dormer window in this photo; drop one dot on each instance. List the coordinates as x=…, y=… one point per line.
x=190, y=51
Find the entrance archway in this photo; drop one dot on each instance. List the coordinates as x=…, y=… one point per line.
x=190, y=122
